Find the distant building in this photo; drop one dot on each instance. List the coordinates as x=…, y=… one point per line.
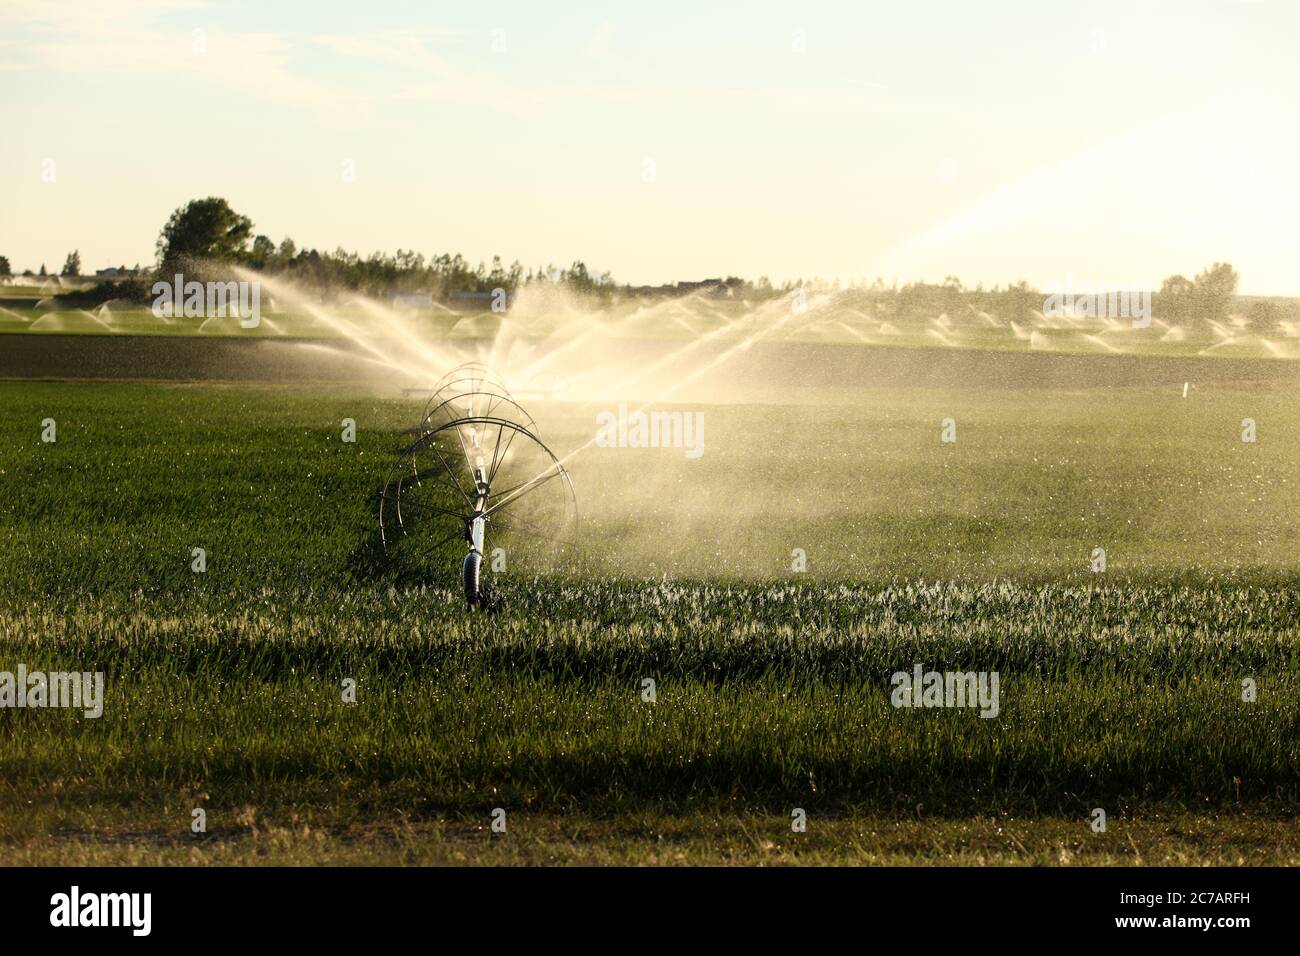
x=710, y=285
x=717, y=288
x=476, y=301
x=112, y=272
x=413, y=300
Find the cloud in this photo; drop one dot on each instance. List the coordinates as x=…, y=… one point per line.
x=395, y=49
x=71, y=36
x=254, y=63
x=88, y=15
x=434, y=78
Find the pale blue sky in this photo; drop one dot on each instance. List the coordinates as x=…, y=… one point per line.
x=1102, y=142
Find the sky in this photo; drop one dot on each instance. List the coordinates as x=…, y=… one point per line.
x=1065, y=144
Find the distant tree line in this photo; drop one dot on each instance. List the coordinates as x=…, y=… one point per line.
x=202, y=238
x=1191, y=303
x=205, y=233
x=71, y=268
x=1209, y=298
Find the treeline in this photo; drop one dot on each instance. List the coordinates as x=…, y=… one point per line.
x=382, y=275
x=1209, y=297
x=205, y=236
x=71, y=268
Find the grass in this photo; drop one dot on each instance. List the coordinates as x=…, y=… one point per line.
x=1120, y=690
x=655, y=840
x=259, y=477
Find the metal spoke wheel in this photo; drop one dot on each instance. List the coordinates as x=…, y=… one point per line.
x=477, y=471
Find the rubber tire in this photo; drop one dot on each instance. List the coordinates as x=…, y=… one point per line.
x=470, y=573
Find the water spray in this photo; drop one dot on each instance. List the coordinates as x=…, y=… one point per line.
x=478, y=463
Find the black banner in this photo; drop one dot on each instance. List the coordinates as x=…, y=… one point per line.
x=534, y=905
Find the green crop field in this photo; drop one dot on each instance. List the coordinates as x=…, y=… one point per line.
x=1121, y=689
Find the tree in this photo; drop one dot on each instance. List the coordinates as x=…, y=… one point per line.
x=262, y=254
x=4, y=266
x=1263, y=317
x=42, y=272
x=1175, y=299
x=72, y=264
x=203, y=229
x=1216, y=287
x=579, y=278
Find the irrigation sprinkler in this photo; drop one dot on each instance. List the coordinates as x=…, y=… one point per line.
x=477, y=464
